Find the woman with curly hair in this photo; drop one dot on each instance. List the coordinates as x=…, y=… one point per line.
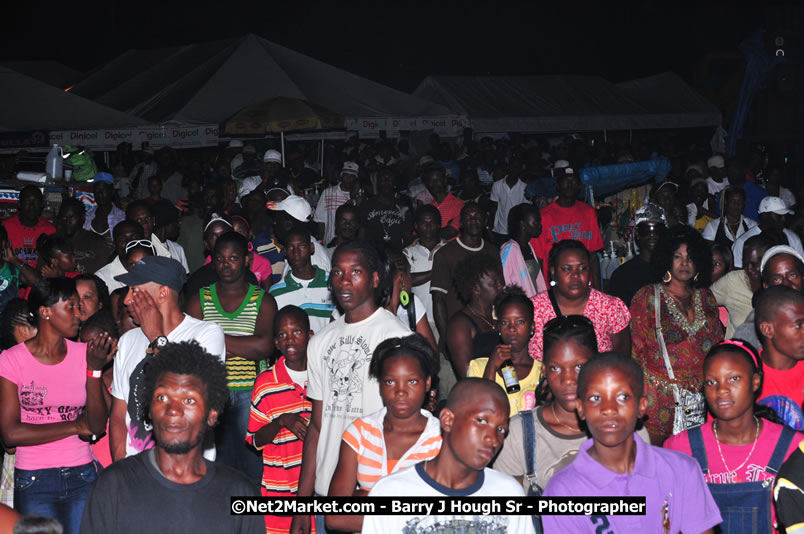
x=681, y=267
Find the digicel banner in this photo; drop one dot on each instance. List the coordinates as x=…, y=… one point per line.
x=444, y=125
x=156, y=136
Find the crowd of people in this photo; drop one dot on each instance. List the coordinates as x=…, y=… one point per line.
x=222, y=324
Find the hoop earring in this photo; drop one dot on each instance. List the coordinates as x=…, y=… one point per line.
x=667, y=277
x=404, y=298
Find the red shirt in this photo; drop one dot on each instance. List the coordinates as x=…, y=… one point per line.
x=577, y=222
x=22, y=239
x=781, y=390
x=450, y=210
x=274, y=394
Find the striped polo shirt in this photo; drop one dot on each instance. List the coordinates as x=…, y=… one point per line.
x=366, y=438
x=313, y=296
x=240, y=372
x=275, y=394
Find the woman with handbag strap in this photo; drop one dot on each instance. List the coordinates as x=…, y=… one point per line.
x=689, y=326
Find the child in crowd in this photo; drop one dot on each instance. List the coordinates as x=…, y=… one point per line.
x=515, y=325
x=473, y=424
x=400, y=435
x=779, y=318
x=101, y=322
x=122, y=318
x=742, y=448
x=617, y=463
x=280, y=411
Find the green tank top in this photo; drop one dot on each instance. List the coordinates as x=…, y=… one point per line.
x=240, y=372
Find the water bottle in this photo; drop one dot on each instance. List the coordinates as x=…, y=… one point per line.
x=54, y=166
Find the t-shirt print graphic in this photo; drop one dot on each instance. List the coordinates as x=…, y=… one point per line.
x=139, y=428
x=32, y=402
x=344, y=380
x=436, y=525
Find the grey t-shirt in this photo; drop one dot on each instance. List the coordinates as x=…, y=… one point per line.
x=554, y=451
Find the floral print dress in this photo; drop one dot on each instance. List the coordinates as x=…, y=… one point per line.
x=687, y=345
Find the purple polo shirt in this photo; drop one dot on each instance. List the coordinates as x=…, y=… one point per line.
x=658, y=475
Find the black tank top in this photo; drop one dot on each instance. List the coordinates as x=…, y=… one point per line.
x=484, y=343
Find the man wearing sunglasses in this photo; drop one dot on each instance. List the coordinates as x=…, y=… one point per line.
x=140, y=212
x=649, y=225
x=124, y=233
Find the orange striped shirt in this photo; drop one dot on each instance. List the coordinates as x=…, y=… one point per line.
x=275, y=394
x=365, y=437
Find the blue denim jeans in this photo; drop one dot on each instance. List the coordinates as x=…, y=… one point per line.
x=230, y=437
x=59, y=492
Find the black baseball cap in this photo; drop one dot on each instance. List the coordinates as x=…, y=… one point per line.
x=157, y=269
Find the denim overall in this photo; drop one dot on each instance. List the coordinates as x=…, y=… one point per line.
x=744, y=506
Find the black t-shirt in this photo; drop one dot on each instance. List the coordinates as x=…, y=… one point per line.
x=384, y=224
x=629, y=278
x=132, y=496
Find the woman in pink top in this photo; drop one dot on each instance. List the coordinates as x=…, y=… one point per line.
x=51, y=402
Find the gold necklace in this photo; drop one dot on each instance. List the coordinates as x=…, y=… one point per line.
x=723, y=459
x=490, y=324
x=555, y=416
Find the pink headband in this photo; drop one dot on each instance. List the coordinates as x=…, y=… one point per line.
x=743, y=346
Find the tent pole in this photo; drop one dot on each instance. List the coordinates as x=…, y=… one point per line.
x=605, y=137
x=630, y=136
x=282, y=139
x=321, y=168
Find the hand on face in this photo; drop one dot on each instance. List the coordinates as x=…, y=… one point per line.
x=144, y=311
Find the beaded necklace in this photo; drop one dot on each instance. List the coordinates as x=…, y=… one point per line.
x=680, y=318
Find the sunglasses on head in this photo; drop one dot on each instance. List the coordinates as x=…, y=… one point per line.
x=567, y=321
x=139, y=243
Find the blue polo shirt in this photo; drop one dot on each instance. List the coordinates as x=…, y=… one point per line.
x=660, y=475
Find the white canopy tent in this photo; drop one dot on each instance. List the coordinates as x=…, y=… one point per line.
x=558, y=104
x=209, y=82
x=27, y=104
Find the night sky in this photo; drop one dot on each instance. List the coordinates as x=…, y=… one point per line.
x=400, y=43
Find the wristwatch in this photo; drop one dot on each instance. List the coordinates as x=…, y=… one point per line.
x=159, y=343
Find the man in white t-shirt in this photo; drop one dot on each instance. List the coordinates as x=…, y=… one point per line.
x=473, y=427
x=153, y=303
x=505, y=194
x=332, y=198
x=771, y=219
x=337, y=363
x=717, y=181
x=124, y=233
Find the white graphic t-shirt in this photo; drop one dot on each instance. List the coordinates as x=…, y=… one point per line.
x=415, y=482
x=337, y=372
x=128, y=376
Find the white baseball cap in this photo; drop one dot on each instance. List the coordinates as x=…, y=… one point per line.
x=295, y=206
x=272, y=155
x=774, y=205
x=350, y=167
x=775, y=251
x=235, y=143
x=716, y=161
